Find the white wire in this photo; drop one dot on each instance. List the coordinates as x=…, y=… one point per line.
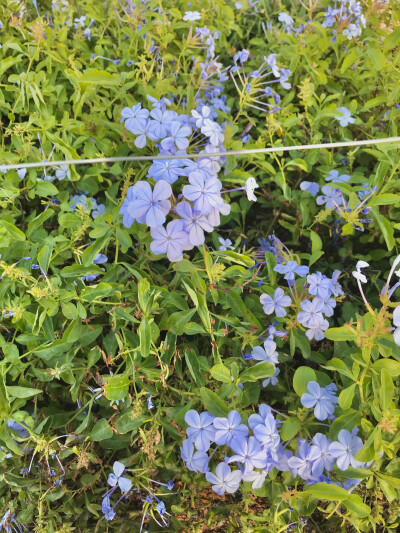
x=194, y=156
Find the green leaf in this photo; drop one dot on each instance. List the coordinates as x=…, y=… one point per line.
x=301, y=377
x=340, y=366
x=91, y=251
x=346, y=396
x=77, y=271
x=22, y=392
x=384, y=199
x=240, y=259
x=15, y=233
x=316, y=242
x=193, y=363
x=327, y=491
x=392, y=40
x=393, y=367
x=73, y=332
x=145, y=337
x=101, y=431
x=177, y=321
x=44, y=188
x=386, y=229
x=254, y=373
x=116, y=387
x=340, y=334
x=386, y=390
x=44, y=256
x=4, y=399
x=221, y=373
x=98, y=77
x=355, y=504
x=290, y=428
x=213, y=403
x=38, y=222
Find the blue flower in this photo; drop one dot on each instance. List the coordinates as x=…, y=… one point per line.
x=159, y=123
x=255, y=419
x=124, y=483
x=311, y=314
x=166, y=169
x=301, y=464
x=150, y=206
x=275, y=303
x=396, y=322
x=21, y=173
x=171, y=240
x=321, y=399
x=135, y=117
x=320, y=455
x=319, y=285
x=161, y=507
x=290, y=269
x=195, y=223
x=150, y=404
x=195, y=461
x=331, y=197
x=241, y=56
x=191, y=16
x=334, y=177
x=228, y=428
x=249, y=452
x=98, y=260
x=205, y=194
x=273, y=380
x=345, y=448
x=267, y=434
x=18, y=428
x=226, y=244
x=310, y=186
x=212, y=130
x=201, y=430
x=224, y=480
x=106, y=508
x=178, y=134
x=63, y=172
x=346, y=118
x=268, y=354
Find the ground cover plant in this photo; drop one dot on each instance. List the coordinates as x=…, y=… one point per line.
x=199, y=342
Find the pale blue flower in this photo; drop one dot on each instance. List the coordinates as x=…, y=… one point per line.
x=320, y=455
x=191, y=16
x=310, y=186
x=330, y=197
x=346, y=118
x=205, y=194
x=195, y=223
x=334, y=177
x=226, y=244
x=345, y=448
x=171, y=240
x=268, y=354
x=224, y=480
x=195, y=461
x=319, y=398
x=228, y=428
x=117, y=477
x=249, y=452
x=276, y=303
x=201, y=430
x=290, y=268
x=150, y=206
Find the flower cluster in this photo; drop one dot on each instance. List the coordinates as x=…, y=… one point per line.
x=333, y=198
x=316, y=299
x=201, y=203
x=347, y=17
x=256, y=87
x=151, y=503
x=257, y=454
